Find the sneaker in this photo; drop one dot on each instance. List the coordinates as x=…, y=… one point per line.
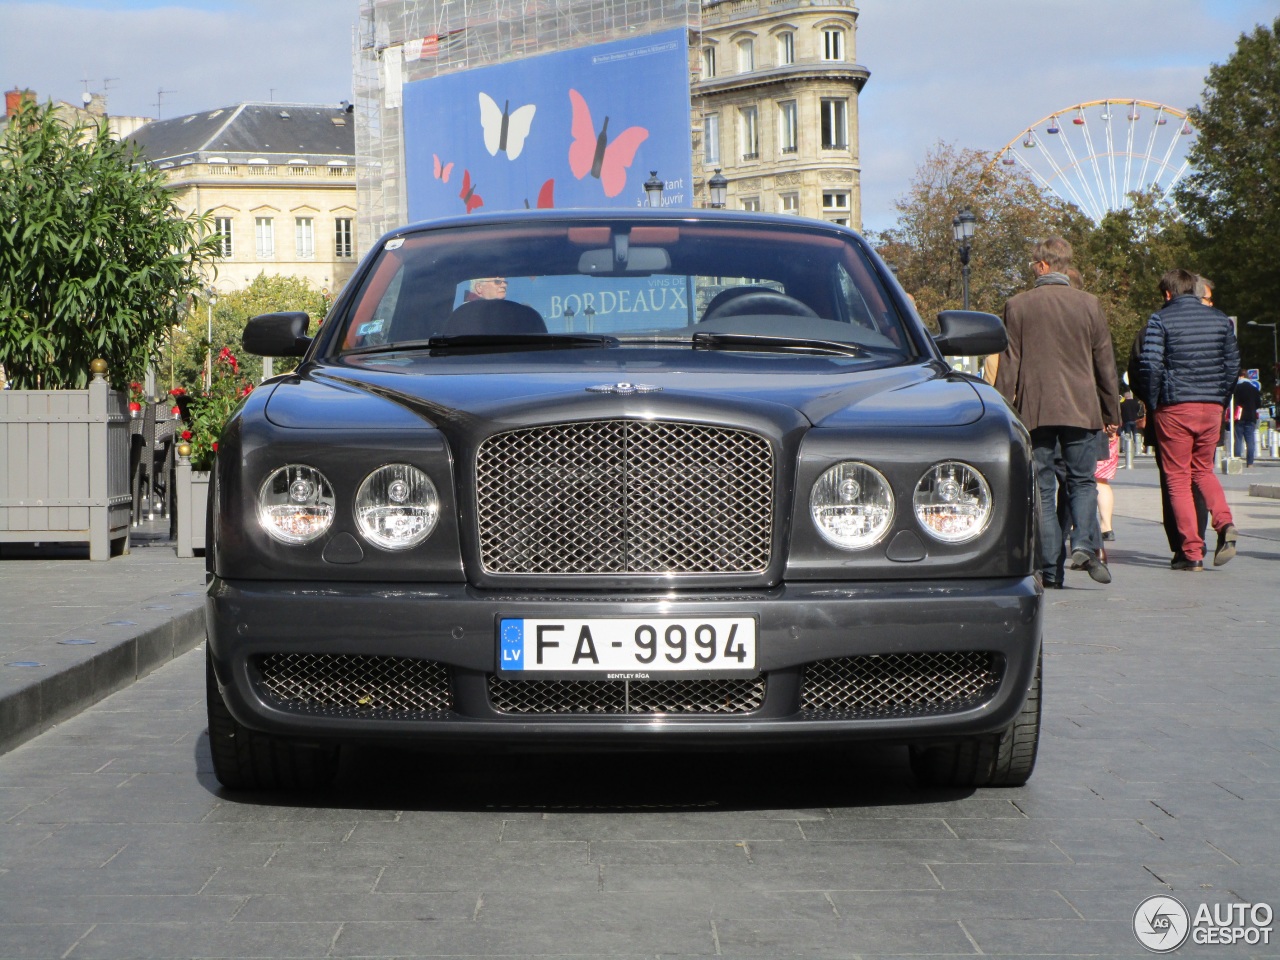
x=1108, y=534
x=1226, y=545
x=1091, y=565
x=1190, y=566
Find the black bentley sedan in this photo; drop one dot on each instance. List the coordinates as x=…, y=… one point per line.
x=612, y=480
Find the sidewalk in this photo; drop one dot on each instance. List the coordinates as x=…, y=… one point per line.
x=73, y=631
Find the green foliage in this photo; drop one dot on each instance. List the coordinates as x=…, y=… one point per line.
x=207, y=411
x=95, y=257
x=1012, y=214
x=185, y=363
x=1232, y=197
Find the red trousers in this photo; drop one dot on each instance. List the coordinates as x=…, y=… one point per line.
x=1186, y=435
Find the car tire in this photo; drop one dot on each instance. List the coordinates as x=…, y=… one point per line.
x=245, y=759
x=1005, y=759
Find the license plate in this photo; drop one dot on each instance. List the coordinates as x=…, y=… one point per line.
x=627, y=649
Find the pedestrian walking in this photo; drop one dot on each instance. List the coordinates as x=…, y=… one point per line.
x=1059, y=374
x=1247, y=399
x=1133, y=416
x=1187, y=370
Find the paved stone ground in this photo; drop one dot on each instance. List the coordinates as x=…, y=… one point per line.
x=1159, y=773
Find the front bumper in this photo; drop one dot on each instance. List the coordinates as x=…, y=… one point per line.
x=455, y=626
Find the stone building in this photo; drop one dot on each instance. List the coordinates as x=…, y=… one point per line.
x=276, y=179
x=776, y=88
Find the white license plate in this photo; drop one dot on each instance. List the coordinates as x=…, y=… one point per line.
x=627, y=649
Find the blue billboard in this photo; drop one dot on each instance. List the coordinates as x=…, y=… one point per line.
x=579, y=128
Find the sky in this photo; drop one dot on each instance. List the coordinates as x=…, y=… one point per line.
x=973, y=73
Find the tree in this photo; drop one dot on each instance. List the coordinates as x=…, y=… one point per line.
x=185, y=365
x=1013, y=213
x=95, y=257
x=1232, y=198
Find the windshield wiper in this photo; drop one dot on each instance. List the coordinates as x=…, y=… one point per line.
x=716, y=341
x=489, y=341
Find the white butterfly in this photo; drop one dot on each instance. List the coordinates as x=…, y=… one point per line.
x=504, y=130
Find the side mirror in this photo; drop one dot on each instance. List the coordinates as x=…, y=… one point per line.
x=277, y=335
x=970, y=333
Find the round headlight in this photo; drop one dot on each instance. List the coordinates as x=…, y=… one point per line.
x=953, y=502
x=397, y=507
x=852, y=505
x=295, y=504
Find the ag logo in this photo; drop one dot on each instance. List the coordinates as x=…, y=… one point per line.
x=1161, y=924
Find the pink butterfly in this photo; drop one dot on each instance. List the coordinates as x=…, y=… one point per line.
x=591, y=153
x=468, y=192
x=442, y=171
x=546, y=196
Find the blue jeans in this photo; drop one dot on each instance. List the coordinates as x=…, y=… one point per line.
x=1079, y=451
x=1246, y=439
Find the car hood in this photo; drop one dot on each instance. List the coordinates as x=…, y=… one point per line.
x=827, y=392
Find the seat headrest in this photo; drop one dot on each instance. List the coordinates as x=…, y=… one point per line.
x=493, y=316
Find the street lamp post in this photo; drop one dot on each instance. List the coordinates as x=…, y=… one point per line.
x=653, y=189
x=210, y=298
x=962, y=229
x=718, y=187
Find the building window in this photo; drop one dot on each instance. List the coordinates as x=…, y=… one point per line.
x=833, y=44
x=222, y=229
x=835, y=207
x=751, y=203
x=789, y=203
x=835, y=124
x=342, y=244
x=788, y=127
x=304, y=238
x=786, y=48
x=264, y=235
x=708, y=62
x=746, y=55
x=711, y=139
x=749, y=133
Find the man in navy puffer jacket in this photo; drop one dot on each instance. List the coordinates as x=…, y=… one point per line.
x=1188, y=368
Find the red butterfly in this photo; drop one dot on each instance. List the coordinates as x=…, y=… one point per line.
x=468, y=193
x=546, y=196
x=592, y=153
x=442, y=171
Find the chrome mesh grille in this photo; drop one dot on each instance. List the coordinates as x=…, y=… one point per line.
x=625, y=496
x=701, y=696
x=900, y=685
x=351, y=686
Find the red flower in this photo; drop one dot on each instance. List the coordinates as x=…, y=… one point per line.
x=186, y=435
x=215, y=446
x=135, y=406
x=175, y=411
x=135, y=386
x=178, y=392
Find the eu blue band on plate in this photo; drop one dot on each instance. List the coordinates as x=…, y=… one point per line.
x=512, y=644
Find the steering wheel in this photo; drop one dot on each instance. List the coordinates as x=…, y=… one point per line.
x=755, y=302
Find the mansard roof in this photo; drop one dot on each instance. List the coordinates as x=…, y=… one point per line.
x=276, y=132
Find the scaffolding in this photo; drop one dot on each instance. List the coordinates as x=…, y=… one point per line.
x=401, y=41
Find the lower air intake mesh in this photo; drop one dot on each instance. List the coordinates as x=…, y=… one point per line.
x=354, y=686
x=700, y=696
x=900, y=685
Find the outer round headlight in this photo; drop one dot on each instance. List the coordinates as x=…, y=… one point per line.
x=852, y=505
x=295, y=504
x=953, y=502
x=397, y=507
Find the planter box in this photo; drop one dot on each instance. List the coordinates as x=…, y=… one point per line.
x=192, y=505
x=64, y=467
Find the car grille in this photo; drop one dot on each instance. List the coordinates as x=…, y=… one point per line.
x=625, y=496
x=626, y=696
x=354, y=686
x=900, y=685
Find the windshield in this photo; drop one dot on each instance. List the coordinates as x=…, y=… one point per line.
x=626, y=280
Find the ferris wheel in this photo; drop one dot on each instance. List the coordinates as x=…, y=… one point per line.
x=1094, y=154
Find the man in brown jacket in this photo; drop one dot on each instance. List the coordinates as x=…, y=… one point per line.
x=1059, y=373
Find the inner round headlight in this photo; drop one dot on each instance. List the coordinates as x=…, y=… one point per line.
x=953, y=502
x=397, y=507
x=295, y=504
x=852, y=505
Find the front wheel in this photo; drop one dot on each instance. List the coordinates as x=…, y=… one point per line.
x=245, y=759
x=1003, y=759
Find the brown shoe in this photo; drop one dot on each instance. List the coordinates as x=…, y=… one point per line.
x=1226, y=545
